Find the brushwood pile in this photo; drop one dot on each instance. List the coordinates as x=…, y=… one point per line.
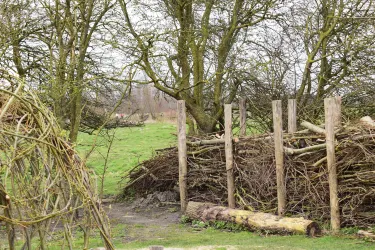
x=305, y=166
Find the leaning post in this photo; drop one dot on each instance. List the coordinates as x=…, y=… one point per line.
x=242, y=106
x=182, y=154
x=292, y=116
x=229, y=154
x=330, y=105
x=337, y=111
x=279, y=155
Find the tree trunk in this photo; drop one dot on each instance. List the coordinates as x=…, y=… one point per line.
x=75, y=119
x=205, y=123
x=190, y=122
x=252, y=220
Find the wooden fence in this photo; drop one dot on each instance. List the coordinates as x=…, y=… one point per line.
x=332, y=109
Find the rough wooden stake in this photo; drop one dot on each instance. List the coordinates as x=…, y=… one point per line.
x=229, y=154
x=242, y=106
x=329, y=108
x=292, y=116
x=279, y=155
x=337, y=111
x=182, y=154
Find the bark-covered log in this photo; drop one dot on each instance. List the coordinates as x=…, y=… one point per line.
x=252, y=220
x=313, y=127
x=366, y=234
x=367, y=122
x=295, y=151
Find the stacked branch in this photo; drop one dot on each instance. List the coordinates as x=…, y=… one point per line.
x=93, y=120
x=255, y=173
x=43, y=183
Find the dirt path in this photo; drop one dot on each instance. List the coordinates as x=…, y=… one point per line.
x=125, y=213
x=154, y=223
x=143, y=223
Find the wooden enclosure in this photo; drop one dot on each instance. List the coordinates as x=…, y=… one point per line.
x=332, y=107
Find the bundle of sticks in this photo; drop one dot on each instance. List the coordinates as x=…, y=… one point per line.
x=305, y=166
x=43, y=182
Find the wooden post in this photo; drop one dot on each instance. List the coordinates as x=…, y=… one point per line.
x=330, y=115
x=229, y=154
x=337, y=111
x=182, y=154
x=279, y=155
x=242, y=106
x=292, y=116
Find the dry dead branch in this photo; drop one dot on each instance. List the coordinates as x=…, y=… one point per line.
x=255, y=174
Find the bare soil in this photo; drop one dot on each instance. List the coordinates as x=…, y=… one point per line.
x=149, y=223
x=125, y=213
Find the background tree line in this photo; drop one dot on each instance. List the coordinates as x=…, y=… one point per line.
x=79, y=53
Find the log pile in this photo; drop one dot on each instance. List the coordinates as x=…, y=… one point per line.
x=255, y=175
x=92, y=121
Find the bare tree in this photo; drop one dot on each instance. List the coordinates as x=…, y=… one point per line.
x=185, y=49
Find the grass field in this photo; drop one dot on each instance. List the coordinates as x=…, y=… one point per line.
x=183, y=236
x=186, y=237
x=130, y=147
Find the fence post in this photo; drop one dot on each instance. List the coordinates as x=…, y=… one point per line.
x=292, y=116
x=279, y=155
x=242, y=106
x=337, y=111
x=229, y=154
x=182, y=155
x=330, y=115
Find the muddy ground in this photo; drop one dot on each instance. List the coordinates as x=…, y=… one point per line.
x=150, y=221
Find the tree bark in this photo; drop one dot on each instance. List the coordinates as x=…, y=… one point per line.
x=252, y=220
x=313, y=127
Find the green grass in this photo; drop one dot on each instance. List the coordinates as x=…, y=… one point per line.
x=184, y=236
x=252, y=128
x=130, y=147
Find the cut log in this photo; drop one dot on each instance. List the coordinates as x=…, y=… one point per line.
x=251, y=220
x=367, y=122
x=366, y=234
x=156, y=248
